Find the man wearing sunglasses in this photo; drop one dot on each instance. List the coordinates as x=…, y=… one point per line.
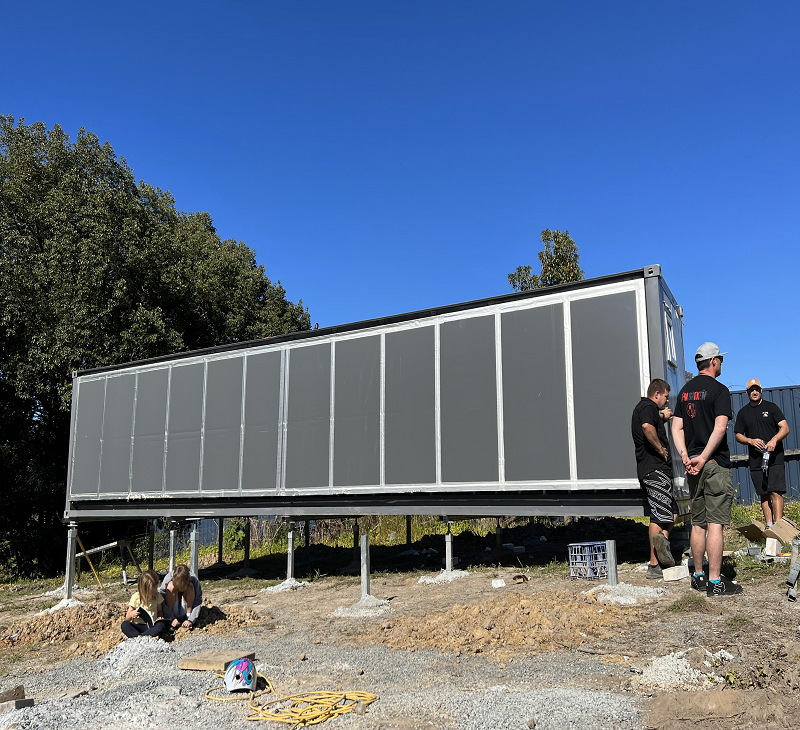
x=762, y=427
x=698, y=432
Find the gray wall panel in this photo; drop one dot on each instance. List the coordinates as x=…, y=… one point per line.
x=605, y=367
x=534, y=394
x=223, y=424
x=115, y=469
x=410, y=417
x=468, y=400
x=357, y=415
x=185, y=423
x=308, y=421
x=148, y=438
x=261, y=413
x=86, y=467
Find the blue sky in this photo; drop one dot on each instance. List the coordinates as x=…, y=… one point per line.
x=385, y=157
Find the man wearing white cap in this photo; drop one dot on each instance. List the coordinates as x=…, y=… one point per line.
x=698, y=431
x=762, y=427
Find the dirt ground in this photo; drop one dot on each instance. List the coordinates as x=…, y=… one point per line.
x=758, y=686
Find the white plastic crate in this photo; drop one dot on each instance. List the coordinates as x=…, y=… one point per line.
x=588, y=560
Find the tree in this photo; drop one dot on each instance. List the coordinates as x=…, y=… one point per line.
x=559, y=262
x=97, y=269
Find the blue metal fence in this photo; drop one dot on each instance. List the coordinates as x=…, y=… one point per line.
x=788, y=400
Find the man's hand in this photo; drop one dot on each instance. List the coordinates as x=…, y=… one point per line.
x=175, y=623
x=771, y=445
x=185, y=624
x=666, y=414
x=759, y=444
x=665, y=454
x=696, y=465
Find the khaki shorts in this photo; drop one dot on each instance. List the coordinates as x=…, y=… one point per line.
x=711, y=494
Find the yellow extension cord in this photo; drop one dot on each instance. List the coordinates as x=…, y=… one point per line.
x=303, y=709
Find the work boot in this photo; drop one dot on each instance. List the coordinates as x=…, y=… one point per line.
x=663, y=550
x=654, y=572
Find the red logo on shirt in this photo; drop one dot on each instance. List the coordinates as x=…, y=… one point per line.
x=691, y=410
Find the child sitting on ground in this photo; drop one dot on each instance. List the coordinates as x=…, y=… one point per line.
x=183, y=598
x=144, y=616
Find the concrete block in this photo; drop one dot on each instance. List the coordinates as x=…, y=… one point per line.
x=15, y=705
x=679, y=572
x=519, y=548
x=498, y=583
x=772, y=548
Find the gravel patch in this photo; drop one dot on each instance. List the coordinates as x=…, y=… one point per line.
x=290, y=584
x=139, y=685
x=61, y=605
x=446, y=576
x=624, y=594
x=368, y=606
x=670, y=672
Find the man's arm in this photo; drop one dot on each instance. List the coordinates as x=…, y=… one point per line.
x=720, y=426
x=758, y=443
x=783, y=432
x=679, y=440
x=652, y=436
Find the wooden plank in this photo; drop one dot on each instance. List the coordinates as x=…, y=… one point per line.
x=15, y=693
x=215, y=660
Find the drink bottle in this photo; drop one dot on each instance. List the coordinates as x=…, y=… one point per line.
x=765, y=462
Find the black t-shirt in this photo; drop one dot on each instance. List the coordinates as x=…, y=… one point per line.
x=647, y=459
x=760, y=422
x=700, y=401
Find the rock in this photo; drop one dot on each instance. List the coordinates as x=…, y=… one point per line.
x=15, y=705
x=360, y=672
x=16, y=693
x=303, y=657
x=531, y=723
x=76, y=693
x=168, y=690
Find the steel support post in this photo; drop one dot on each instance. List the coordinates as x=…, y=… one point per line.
x=290, y=552
x=365, y=565
x=611, y=561
x=151, y=543
x=498, y=537
x=246, y=565
x=172, y=540
x=124, y=562
x=220, y=542
x=408, y=530
x=307, y=539
x=194, y=550
x=72, y=540
x=448, y=550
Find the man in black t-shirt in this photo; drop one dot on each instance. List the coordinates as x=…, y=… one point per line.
x=698, y=432
x=654, y=469
x=762, y=427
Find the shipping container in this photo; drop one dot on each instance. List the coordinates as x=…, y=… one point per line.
x=515, y=405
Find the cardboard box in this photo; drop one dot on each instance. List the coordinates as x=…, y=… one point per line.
x=783, y=530
x=754, y=532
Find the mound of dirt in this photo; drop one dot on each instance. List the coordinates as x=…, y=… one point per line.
x=533, y=621
x=223, y=621
x=718, y=710
x=97, y=627
x=56, y=628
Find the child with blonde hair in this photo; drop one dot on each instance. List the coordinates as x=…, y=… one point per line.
x=144, y=616
x=184, y=596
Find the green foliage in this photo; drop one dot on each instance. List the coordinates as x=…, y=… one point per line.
x=559, y=261
x=233, y=535
x=97, y=269
x=738, y=622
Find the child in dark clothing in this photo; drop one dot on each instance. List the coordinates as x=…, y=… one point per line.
x=144, y=616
